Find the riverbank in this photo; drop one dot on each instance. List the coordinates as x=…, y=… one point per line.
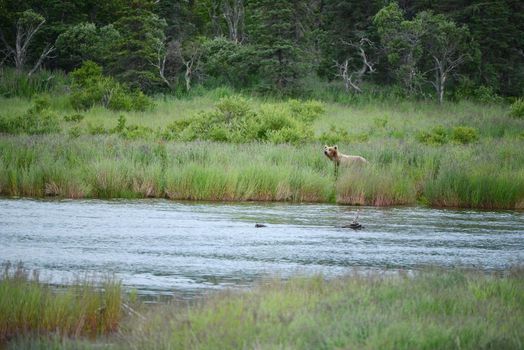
x=431, y=309
x=486, y=175
x=457, y=155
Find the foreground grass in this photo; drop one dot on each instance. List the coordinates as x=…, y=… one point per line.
x=29, y=308
x=435, y=309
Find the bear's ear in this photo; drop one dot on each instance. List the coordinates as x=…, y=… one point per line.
x=335, y=147
x=325, y=146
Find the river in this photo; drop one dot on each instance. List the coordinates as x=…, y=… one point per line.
x=165, y=247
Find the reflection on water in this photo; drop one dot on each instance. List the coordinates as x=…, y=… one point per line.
x=160, y=246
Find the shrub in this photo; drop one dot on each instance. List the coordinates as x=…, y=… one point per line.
x=96, y=129
x=38, y=119
x=437, y=136
x=464, y=134
x=90, y=87
x=340, y=135
x=517, y=109
x=74, y=117
x=74, y=132
x=131, y=132
x=234, y=120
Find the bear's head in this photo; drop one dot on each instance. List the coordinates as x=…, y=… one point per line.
x=331, y=152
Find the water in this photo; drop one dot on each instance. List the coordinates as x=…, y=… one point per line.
x=161, y=247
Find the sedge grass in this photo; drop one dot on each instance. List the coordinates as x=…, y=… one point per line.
x=487, y=174
x=484, y=174
x=427, y=309
x=30, y=308
x=433, y=310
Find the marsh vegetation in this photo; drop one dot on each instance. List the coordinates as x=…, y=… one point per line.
x=430, y=309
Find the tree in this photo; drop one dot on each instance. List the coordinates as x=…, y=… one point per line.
x=448, y=47
x=141, y=34
x=233, y=11
x=402, y=43
x=189, y=54
x=429, y=44
x=353, y=78
x=273, y=32
x=27, y=25
x=84, y=42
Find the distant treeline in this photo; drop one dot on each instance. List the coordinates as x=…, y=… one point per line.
x=463, y=48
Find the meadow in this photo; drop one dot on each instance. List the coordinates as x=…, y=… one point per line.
x=430, y=309
x=460, y=154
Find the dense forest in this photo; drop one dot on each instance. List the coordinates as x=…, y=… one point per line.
x=421, y=48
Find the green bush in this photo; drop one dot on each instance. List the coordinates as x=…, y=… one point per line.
x=340, y=135
x=437, y=136
x=464, y=134
x=38, y=119
x=90, y=87
x=233, y=120
x=75, y=132
x=131, y=132
x=74, y=117
x=517, y=109
x=96, y=129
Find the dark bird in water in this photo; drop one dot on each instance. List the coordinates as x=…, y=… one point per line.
x=355, y=225
x=260, y=225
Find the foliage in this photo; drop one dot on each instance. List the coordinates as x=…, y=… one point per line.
x=464, y=134
x=28, y=307
x=225, y=62
x=90, y=87
x=86, y=42
x=74, y=117
x=16, y=84
x=427, y=309
x=436, y=136
x=517, y=109
x=141, y=41
x=234, y=120
x=38, y=119
x=273, y=30
x=467, y=89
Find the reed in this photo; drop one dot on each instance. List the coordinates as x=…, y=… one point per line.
x=435, y=309
x=483, y=175
x=30, y=308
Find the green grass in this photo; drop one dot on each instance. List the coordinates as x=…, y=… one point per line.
x=486, y=173
x=30, y=308
x=434, y=310
x=430, y=309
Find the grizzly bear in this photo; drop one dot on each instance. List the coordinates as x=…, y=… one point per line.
x=342, y=159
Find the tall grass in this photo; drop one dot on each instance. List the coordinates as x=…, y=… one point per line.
x=433, y=310
x=483, y=175
x=19, y=84
x=31, y=308
x=428, y=309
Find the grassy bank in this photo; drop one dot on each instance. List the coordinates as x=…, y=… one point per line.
x=434, y=310
x=30, y=308
x=485, y=175
x=456, y=155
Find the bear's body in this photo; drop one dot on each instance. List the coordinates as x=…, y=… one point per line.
x=343, y=159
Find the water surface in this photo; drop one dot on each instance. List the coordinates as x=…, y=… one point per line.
x=160, y=246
